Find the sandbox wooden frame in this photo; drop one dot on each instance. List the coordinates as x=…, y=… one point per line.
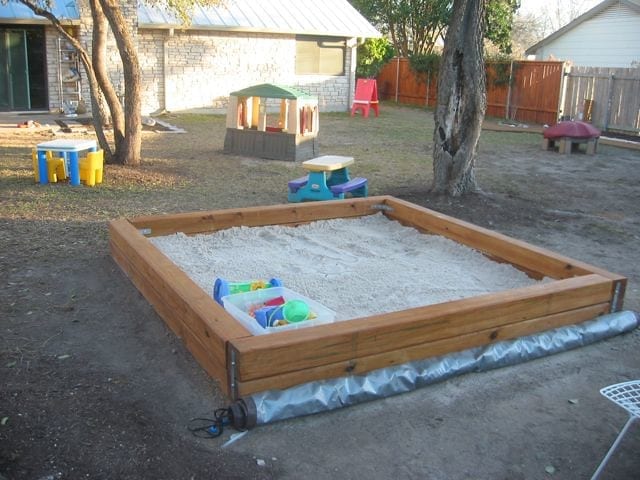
x=246, y=364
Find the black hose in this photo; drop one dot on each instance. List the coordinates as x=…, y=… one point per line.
x=244, y=414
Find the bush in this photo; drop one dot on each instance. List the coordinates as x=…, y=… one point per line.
x=372, y=55
x=425, y=64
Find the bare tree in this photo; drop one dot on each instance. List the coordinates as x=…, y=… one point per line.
x=131, y=141
x=558, y=13
x=111, y=112
x=127, y=122
x=528, y=29
x=461, y=101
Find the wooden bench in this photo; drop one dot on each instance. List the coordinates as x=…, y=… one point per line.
x=357, y=186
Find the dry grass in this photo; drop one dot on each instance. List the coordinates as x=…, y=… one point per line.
x=182, y=172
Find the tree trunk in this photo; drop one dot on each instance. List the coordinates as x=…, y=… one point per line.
x=128, y=138
x=94, y=86
x=99, y=62
x=461, y=101
x=129, y=151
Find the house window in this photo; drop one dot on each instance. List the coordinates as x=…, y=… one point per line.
x=320, y=56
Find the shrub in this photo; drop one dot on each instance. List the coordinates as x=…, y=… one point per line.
x=372, y=55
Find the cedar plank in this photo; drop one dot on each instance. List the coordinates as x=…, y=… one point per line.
x=267, y=355
x=214, y=220
x=495, y=244
x=202, y=352
x=425, y=350
x=174, y=294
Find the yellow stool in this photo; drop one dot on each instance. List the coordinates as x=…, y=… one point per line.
x=36, y=168
x=91, y=168
x=55, y=167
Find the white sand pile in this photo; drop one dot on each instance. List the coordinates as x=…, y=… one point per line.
x=357, y=267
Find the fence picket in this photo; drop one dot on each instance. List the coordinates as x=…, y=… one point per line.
x=534, y=93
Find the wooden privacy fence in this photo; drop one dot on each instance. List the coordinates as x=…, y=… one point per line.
x=532, y=92
x=607, y=97
x=523, y=91
x=535, y=92
x=398, y=82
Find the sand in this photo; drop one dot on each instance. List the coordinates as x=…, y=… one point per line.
x=356, y=267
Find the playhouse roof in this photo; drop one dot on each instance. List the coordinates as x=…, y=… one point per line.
x=269, y=90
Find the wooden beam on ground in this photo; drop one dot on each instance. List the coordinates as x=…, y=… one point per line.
x=362, y=365
x=244, y=363
x=204, y=326
x=496, y=245
x=268, y=355
x=291, y=214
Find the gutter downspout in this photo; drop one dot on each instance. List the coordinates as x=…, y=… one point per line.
x=352, y=72
x=165, y=67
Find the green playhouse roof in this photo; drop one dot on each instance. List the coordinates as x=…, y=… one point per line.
x=268, y=90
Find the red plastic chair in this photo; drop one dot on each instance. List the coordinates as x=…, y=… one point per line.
x=366, y=97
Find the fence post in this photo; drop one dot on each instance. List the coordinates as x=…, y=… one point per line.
x=508, y=106
x=564, y=83
x=397, y=76
x=609, y=101
x=428, y=87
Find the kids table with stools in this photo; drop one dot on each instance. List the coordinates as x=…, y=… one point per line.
x=328, y=179
x=68, y=149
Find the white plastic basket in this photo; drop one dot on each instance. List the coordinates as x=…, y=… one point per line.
x=239, y=305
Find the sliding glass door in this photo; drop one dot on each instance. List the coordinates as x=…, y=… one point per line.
x=14, y=70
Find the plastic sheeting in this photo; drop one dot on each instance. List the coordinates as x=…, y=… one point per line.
x=315, y=397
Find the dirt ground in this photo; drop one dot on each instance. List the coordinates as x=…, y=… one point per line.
x=94, y=385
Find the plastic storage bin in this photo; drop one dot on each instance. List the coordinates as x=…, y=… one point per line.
x=239, y=305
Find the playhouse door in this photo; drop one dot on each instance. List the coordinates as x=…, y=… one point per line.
x=14, y=71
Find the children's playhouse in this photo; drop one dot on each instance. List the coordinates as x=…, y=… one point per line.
x=272, y=121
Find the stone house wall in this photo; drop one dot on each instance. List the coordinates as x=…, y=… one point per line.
x=83, y=33
x=57, y=68
x=198, y=69
x=190, y=69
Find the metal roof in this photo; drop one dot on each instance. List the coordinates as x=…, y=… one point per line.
x=309, y=17
x=15, y=12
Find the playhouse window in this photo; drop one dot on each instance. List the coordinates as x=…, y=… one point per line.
x=320, y=56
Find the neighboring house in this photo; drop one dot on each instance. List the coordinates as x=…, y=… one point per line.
x=307, y=44
x=608, y=35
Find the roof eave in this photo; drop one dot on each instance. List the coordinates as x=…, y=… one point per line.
x=577, y=21
x=37, y=21
x=242, y=29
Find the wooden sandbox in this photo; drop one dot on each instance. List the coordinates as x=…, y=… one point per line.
x=246, y=364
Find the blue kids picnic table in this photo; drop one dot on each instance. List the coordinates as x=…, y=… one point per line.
x=328, y=179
